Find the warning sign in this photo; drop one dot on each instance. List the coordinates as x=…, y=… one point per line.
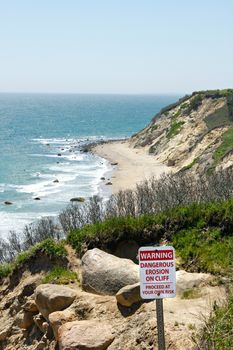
x=157, y=272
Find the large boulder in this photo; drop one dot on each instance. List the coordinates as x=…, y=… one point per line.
x=188, y=280
x=52, y=297
x=129, y=295
x=86, y=335
x=105, y=274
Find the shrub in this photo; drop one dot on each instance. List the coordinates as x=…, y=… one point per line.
x=217, y=332
x=5, y=270
x=174, y=129
x=48, y=246
x=60, y=275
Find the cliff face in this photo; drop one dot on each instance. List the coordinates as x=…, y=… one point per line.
x=194, y=134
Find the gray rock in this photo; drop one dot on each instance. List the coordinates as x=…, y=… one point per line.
x=8, y=202
x=88, y=335
x=188, y=280
x=129, y=295
x=51, y=297
x=77, y=199
x=106, y=274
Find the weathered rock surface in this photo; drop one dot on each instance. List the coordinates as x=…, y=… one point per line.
x=129, y=295
x=50, y=298
x=187, y=280
x=106, y=274
x=24, y=319
x=58, y=318
x=86, y=335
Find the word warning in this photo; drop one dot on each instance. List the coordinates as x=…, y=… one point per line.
x=157, y=272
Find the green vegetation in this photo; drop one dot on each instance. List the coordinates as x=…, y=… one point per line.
x=194, y=103
x=219, y=118
x=190, y=165
x=176, y=115
x=217, y=333
x=193, y=293
x=225, y=147
x=217, y=93
x=60, y=275
x=5, y=270
x=48, y=246
x=153, y=128
x=174, y=129
x=184, y=105
x=206, y=249
x=201, y=234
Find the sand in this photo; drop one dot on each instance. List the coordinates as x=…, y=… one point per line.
x=133, y=165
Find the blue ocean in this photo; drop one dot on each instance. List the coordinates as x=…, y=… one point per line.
x=40, y=140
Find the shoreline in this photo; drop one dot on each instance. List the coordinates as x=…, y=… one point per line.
x=130, y=165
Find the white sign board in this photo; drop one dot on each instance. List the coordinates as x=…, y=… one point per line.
x=157, y=272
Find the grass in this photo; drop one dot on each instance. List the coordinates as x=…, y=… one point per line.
x=206, y=250
x=5, y=270
x=219, y=118
x=200, y=233
x=176, y=115
x=218, y=330
x=190, y=165
x=225, y=146
x=174, y=129
x=60, y=275
x=48, y=246
x=222, y=150
x=193, y=293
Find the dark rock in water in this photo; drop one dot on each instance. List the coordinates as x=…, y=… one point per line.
x=114, y=163
x=37, y=198
x=108, y=183
x=59, y=154
x=56, y=181
x=62, y=149
x=8, y=203
x=77, y=199
x=58, y=162
x=102, y=178
x=85, y=150
x=47, y=144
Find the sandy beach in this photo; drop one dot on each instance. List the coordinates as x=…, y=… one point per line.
x=133, y=165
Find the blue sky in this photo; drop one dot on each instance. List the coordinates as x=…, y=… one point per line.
x=115, y=46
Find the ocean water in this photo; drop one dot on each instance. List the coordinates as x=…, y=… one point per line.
x=35, y=128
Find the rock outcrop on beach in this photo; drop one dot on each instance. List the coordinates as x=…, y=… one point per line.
x=194, y=134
